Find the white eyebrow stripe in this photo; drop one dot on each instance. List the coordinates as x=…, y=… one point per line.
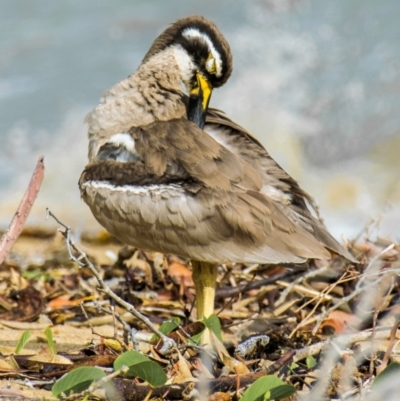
x=195, y=33
x=123, y=139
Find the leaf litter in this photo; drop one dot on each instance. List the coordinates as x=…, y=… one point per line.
x=326, y=331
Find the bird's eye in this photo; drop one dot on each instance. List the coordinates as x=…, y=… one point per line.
x=211, y=66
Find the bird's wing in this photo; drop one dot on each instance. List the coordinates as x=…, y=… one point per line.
x=229, y=184
x=273, y=174
x=180, y=142
x=218, y=117
x=193, y=197
x=246, y=143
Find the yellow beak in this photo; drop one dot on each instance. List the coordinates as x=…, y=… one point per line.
x=198, y=101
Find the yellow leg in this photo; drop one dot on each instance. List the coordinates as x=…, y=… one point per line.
x=204, y=278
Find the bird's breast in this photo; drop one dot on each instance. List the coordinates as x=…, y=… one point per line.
x=153, y=217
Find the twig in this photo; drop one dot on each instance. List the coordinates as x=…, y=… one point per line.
x=309, y=319
x=363, y=230
x=325, y=291
x=309, y=292
x=233, y=297
x=14, y=229
x=357, y=290
x=285, y=358
x=349, y=339
x=115, y=314
x=126, y=328
x=374, y=322
x=302, y=278
x=230, y=292
x=322, y=316
x=83, y=260
x=390, y=347
x=367, y=272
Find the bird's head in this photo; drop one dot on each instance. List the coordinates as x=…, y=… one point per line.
x=203, y=57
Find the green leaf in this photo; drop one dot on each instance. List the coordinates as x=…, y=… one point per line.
x=284, y=391
x=268, y=388
x=392, y=370
x=293, y=366
x=310, y=362
x=76, y=381
x=36, y=275
x=167, y=327
x=49, y=337
x=142, y=367
x=22, y=341
x=213, y=323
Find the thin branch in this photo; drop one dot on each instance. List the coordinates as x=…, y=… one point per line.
x=126, y=328
x=233, y=297
x=349, y=339
x=83, y=260
x=308, y=292
x=289, y=289
x=322, y=316
x=226, y=292
x=369, y=270
x=309, y=319
x=14, y=229
x=359, y=288
x=390, y=347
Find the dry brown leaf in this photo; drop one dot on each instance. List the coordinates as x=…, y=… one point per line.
x=50, y=358
x=63, y=302
x=183, y=373
x=340, y=322
x=30, y=304
x=135, y=262
x=220, y=397
x=96, y=360
x=180, y=274
x=5, y=366
x=17, y=282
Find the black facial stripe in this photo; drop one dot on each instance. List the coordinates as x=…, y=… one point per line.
x=196, y=47
x=208, y=31
x=198, y=51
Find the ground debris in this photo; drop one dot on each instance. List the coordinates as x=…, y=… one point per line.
x=330, y=329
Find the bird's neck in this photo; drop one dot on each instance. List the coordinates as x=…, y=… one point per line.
x=161, y=85
x=155, y=92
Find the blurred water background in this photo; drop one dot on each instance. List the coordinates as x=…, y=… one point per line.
x=317, y=81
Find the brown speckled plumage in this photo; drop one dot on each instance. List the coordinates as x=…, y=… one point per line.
x=159, y=182
x=211, y=199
